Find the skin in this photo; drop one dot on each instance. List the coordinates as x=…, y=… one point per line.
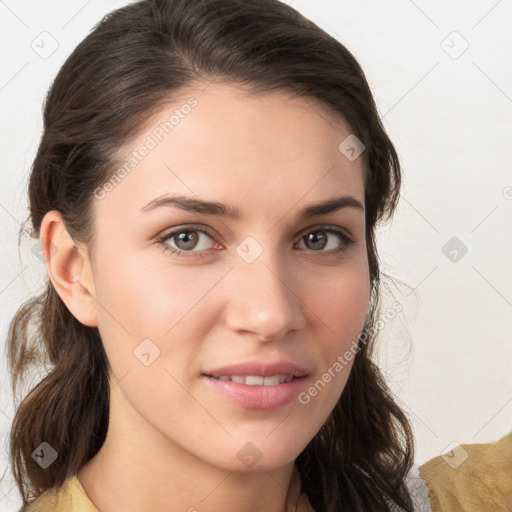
x=172, y=442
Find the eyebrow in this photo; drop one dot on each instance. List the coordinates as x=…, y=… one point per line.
x=225, y=210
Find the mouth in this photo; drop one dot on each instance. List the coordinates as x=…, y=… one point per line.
x=257, y=392
x=255, y=380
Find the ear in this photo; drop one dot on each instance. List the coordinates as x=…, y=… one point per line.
x=69, y=269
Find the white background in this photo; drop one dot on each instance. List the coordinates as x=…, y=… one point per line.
x=448, y=110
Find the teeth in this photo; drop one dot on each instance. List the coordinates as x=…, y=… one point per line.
x=252, y=380
x=255, y=380
x=271, y=381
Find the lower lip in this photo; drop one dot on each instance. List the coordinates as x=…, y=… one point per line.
x=258, y=397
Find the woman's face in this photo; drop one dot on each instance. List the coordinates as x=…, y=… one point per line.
x=183, y=293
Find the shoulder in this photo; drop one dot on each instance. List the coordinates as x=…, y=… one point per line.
x=418, y=490
x=471, y=477
x=70, y=497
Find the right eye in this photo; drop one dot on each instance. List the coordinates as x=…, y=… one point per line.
x=186, y=239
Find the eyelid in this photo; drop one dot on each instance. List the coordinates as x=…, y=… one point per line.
x=169, y=233
x=211, y=233
x=326, y=227
x=346, y=238
x=187, y=227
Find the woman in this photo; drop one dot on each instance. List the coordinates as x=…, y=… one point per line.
x=206, y=193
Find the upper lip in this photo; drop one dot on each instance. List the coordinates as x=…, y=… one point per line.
x=260, y=369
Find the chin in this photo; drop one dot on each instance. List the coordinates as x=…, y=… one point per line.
x=263, y=454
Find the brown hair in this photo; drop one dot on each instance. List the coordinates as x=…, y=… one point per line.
x=135, y=60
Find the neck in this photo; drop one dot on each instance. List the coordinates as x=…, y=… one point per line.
x=134, y=473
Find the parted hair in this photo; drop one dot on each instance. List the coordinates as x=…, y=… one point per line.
x=135, y=60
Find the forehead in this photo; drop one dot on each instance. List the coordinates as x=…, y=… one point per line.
x=228, y=114
x=218, y=142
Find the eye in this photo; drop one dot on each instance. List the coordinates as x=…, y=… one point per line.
x=186, y=238
x=192, y=241
x=318, y=240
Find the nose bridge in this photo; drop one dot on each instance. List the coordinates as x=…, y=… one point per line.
x=263, y=298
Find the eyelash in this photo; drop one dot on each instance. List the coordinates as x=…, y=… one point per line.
x=346, y=242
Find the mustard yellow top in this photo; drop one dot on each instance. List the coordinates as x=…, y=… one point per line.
x=471, y=478
x=70, y=497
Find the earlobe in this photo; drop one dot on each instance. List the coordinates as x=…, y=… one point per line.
x=68, y=268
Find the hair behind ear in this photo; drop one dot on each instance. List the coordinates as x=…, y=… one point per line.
x=134, y=61
x=69, y=407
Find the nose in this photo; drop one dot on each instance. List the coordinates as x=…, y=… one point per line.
x=263, y=300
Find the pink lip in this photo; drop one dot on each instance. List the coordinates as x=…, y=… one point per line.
x=257, y=397
x=259, y=369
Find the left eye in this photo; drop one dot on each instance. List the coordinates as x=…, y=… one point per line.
x=186, y=240
x=319, y=239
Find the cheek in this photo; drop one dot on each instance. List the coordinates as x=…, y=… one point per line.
x=141, y=299
x=341, y=306
x=342, y=303
x=146, y=295
x=144, y=316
